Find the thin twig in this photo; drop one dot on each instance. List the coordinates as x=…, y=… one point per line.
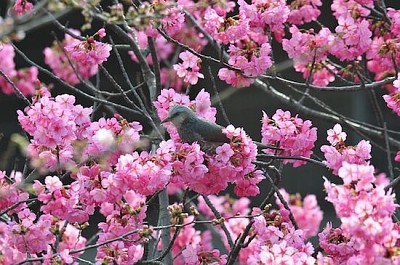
x=219, y=218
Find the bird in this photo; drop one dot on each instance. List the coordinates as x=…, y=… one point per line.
x=192, y=128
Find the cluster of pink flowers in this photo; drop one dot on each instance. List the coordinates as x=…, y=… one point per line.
x=174, y=20
x=230, y=164
x=304, y=11
x=89, y=52
x=263, y=13
x=77, y=57
x=393, y=99
x=306, y=212
x=228, y=207
x=57, y=125
x=54, y=123
x=251, y=56
x=353, y=38
x=367, y=232
x=189, y=69
x=24, y=79
x=337, y=153
x=107, y=139
x=62, y=202
x=144, y=173
x=277, y=242
x=309, y=50
x=306, y=47
x=162, y=46
x=224, y=30
x=295, y=136
x=123, y=217
x=10, y=194
x=22, y=6
x=41, y=231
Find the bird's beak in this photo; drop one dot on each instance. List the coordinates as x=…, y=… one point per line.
x=166, y=120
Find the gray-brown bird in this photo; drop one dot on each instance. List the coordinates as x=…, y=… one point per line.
x=192, y=128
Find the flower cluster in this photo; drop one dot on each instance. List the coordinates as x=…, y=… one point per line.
x=393, y=100
x=228, y=207
x=162, y=46
x=295, y=136
x=10, y=194
x=54, y=124
x=367, y=232
x=24, y=79
x=230, y=164
x=309, y=52
x=89, y=52
x=125, y=217
x=22, y=6
x=263, y=13
x=251, y=57
x=143, y=173
x=337, y=153
x=224, y=30
x=278, y=242
x=76, y=59
x=107, y=139
x=62, y=201
x=306, y=212
x=189, y=69
x=41, y=232
x=304, y=11
x=63, y=133
x=353, y=38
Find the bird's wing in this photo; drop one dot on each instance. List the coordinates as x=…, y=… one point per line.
x=210, y=132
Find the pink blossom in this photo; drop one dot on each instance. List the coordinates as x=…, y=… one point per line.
x=174, y=21
x=10, y=194
x=61, y=66
x=54, y=124
x=353, y=38
x=304, y=11
x=336, y=135
x=225, y=30
x=365, y=210
x=88, y=52
x=101, y=32
x=321, y=74
x=24, y=79
x=53, y=183
x=295, y=136
x=393, y=100
x=265, y=13
x=22, y=6
x=189, y=69
x=306, y=212
x=234, y=78
x=162, y=46
x=338, y=152
x=307, y=47
x=122, y=217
